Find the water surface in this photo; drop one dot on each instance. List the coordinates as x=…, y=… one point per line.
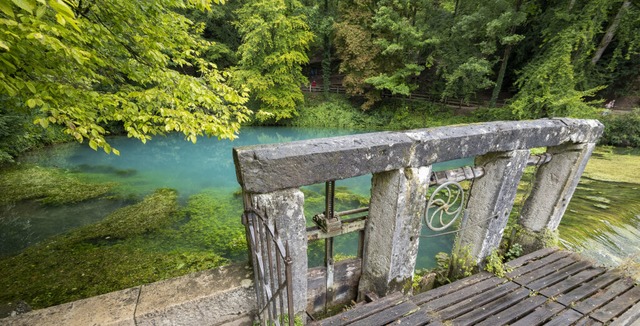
x=605, y=229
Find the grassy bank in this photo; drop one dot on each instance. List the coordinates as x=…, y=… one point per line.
x=337, y=111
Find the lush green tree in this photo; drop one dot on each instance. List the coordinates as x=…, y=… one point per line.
x=275, y=38
x=477, y=42
x=87, y=64
x=354, y=41
x=583, y=43
x=402, y=43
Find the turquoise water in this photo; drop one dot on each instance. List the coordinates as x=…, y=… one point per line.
x=172, y=162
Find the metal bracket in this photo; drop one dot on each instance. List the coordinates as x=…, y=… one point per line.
x=329, y=221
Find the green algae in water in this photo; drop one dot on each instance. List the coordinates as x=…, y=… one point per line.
x=602, y=221
x=126, y=249
x=48, y=185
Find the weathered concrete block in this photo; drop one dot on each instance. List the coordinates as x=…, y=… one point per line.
x=491, y=201
x=211, y=297
x=284, y=210
x=553, y=188
x=398, y=201
x=266, y=168
x=113, y=309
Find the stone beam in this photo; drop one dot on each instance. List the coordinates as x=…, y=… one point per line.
x=397, y=206
x=490, y=202
x=266, y=168
x=552, y=190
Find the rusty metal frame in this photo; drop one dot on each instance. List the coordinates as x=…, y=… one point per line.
x=269, y=255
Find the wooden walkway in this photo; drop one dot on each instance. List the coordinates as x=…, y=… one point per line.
x=547, y=287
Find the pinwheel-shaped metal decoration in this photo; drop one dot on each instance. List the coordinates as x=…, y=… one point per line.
x=444, y=206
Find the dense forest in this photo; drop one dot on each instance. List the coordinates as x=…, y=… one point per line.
x=203, y=67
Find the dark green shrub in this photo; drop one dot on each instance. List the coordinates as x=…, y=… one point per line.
x=622, y=130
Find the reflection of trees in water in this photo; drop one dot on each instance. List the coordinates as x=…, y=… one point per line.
x=15, y=231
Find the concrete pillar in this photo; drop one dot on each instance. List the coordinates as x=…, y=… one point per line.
x=284, y=210
x=551, y=192
x=398, y=201
x=490, y=202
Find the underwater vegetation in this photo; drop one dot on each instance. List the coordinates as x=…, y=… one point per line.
x=124, y=250
x=48, y=185
x=152, y=238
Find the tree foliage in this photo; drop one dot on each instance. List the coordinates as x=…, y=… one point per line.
x=554, y=58
x=87, y=65
x=275, y=38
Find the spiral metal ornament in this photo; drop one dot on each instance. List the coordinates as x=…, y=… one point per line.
x=444, y=206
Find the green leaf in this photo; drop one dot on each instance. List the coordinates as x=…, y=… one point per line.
x=62, y=8
x=26, y=5
x=93, y=145
x=60, y=19
x=31, y=103
x=31, y=87
x=5, y=7
x=4, y=46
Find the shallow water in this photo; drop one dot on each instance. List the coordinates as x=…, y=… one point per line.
x=603, y=221
x=608, y=233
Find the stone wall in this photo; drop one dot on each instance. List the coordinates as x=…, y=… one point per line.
x=223, y=296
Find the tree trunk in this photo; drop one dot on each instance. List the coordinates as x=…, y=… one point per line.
x=500, y=79
x=611, y=32
x=503, y=66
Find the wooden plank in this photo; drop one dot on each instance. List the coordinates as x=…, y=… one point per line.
x=540, y=315
x=462, y=294
x=417, y=318
x=347, y=275
x=618, y=306
x=630, y=316
x=587, y=289
x=571, y=282
x=567, y=317
x=512, y=313
x=594, y=302
x=449, y=288
x=540, y=263
x=558, y=276
x=388, y=315
x=363, y=311
x=534, y=275
x=587, y=321
x=483, y=312
x=531, y=257
x=476, y=301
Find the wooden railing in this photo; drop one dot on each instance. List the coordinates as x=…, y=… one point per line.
x=400, y=164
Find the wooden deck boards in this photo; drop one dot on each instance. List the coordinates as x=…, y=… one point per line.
x=547, y=287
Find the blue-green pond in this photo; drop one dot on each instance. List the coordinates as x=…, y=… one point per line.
x=602, y=220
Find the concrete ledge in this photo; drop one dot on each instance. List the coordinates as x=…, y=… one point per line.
x=115, y=308
x=211, y=297
x=223, y=296
x=267, y=168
